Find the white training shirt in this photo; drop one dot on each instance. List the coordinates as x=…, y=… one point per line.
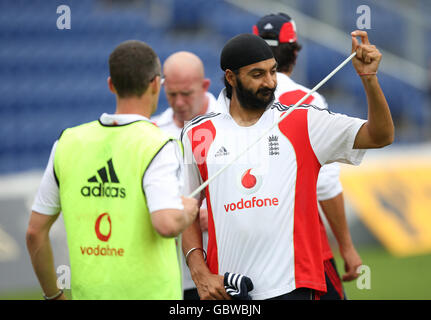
x=166, y=122
x=289, y=92
x=262, y=210
x=162, y=187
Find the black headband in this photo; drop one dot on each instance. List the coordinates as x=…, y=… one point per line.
x=243, y=50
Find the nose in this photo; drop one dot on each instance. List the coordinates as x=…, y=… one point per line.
x=271, y=80
x=179, y=101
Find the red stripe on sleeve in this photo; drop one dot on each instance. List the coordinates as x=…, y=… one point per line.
x=201, y=137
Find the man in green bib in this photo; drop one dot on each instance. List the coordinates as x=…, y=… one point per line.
x=118, y=182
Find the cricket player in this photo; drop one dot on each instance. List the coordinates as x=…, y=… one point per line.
x=263, y=220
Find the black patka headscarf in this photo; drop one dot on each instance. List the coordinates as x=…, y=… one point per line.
x=243, y=50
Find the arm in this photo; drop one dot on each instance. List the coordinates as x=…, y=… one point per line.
x=45, y=210
x=171, y=222
x=203, y=219
x=330, y=196
x=210, y=286
x=333, y=209
x=378, y=131
x=39, y=248
x=162, y=182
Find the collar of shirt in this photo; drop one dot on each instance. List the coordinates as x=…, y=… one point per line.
x=223, y=102
x=120, y=119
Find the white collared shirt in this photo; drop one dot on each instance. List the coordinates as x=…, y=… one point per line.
x=262, y=210
x=161, y=184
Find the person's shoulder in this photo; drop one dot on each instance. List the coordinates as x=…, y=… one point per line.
x=150, y=127
x=320, y=101
x=141, y=128
x=314, y=108
x=164, y=118
x=199, y=120
x=281, y=108
x=78, y=127
x=83, y=125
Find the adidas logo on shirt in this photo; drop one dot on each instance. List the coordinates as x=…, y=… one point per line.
x=104, y=176
x=222, y=152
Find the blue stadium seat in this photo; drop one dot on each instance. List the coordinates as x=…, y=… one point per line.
x=52, y=79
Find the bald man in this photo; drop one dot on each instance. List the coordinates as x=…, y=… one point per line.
x=186, y=89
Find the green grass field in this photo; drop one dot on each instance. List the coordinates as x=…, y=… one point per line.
x=391, y=278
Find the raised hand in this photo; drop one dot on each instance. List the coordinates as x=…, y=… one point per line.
x=368, y=57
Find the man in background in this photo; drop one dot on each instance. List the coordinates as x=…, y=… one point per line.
x=186, y=90
x=187, y=93
x=279, y=31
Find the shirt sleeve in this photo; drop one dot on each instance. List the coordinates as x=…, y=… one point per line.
x=320, y=101
x=328, y=182
x=163, y=180
x=192, y=177
x=332, y=136
x=47, y=200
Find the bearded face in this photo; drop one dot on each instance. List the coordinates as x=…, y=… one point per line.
x=254, y=99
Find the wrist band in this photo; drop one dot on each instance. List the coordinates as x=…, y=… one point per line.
x=193, y=249
x=367, y=74
x=55, y=296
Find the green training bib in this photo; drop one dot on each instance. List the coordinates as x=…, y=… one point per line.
x=115, y=252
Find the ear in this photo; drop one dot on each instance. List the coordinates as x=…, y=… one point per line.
x=230, y=77
x=155, y=85
x=206, y=84
x=111, y=86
